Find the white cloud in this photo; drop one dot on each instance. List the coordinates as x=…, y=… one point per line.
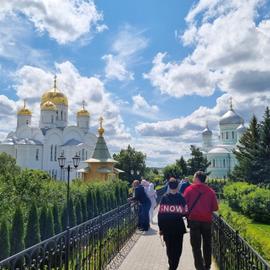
x=31, y=82
x=125, y=51
x=141, y=106
x=116, y=69
x=231, y=52
x=64, y=20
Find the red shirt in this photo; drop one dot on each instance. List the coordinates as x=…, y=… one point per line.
x=206, y=204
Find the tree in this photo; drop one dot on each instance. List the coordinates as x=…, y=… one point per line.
x=72, y=215
x=129, y=159
x=8, y=165
x=264, y=147
x=84, y=209
x=4, y=241
x=197, y=162
x=182, y=164
x=64, y=217
x=43, y=223
x=56, y=219
x=49, y=224
x=32, y=231
x=172, y=170
x=248, y=166
x=17, y=232
x=100, y=201
x=78, y=210
x=90, y=204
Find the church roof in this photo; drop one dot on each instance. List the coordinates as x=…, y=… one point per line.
x=72, y=142
x=14, y=140
x=219, y=150
x=101, y=151
x=241, y=128
x=206, y=132
x=231, y=117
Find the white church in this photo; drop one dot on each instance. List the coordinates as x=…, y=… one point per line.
x=221, y=157
x=39, y=147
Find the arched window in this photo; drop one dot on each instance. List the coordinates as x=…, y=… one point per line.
x=222, y=135
x=83, y=154
x=227, y=135
x=55, y=153
x=61, y=115
x=232, y=134
x=214, y=163
x=51, y=152
x=224, y=163
x=52, y=119
x=86, y=154
x=56, y=115
x=27, y=122
x=37, y=154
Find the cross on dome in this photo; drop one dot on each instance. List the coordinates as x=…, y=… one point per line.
x=101, y=129
x=231, y=103
x=54, y=82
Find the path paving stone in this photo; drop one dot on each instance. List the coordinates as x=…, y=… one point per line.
x=149, y=254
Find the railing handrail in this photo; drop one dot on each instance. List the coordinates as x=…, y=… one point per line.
x=244, y=242
x=63, y=233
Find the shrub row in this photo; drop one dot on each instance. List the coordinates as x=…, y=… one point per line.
x=253, y=234
x=250, y=200
x=34, y=222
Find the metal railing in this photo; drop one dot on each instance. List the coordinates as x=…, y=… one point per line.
x=231, y=251
x=90, y=245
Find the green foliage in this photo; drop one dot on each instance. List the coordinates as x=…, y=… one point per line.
x=4, y=241
x=246, y=153
x=56, y=219
x=8, y=166
x=182, y=164
x=249, y=200
x=130, y=159
x=72, y=215
x=257, y=235
x=197, y=162
x=32, y=236
x=43, y=223
x=78, y=210
x=49, y=224
x=172, y=171
x=234, y=193
x=84, y=209
x=17, y=232
x=256, y=205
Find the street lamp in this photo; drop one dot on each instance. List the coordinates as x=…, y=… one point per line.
x=62, y=161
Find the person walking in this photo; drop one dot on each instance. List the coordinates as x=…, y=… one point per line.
x=144, y=205
x=170, y=221
x=183, y=185
x=202, y=202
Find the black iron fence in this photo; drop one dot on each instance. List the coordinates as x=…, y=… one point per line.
x=90, y=245
x=231, y=251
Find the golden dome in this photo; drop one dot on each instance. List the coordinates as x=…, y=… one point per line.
x=101, y=130
x=24, y=110
x=48, y=106
x=83, y=111
x=54, y=95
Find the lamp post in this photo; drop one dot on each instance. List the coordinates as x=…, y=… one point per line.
x=133, y=173
x=62, y=161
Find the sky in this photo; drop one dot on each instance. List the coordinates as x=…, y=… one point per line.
x=156, y=70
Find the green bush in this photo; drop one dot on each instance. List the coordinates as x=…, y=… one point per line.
x=256, y=205
x=234, y=193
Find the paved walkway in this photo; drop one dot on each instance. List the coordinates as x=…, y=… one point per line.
x=149, y=254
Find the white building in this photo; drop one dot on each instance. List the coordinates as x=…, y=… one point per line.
x=221, y=155
x=39, y=147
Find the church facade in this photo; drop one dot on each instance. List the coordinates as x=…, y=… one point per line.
x=40, y=147
x=221, y=157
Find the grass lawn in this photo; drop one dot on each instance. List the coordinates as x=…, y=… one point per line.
x=256, y=234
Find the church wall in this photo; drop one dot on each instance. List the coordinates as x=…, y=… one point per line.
x=228, y=134
x=29, y=156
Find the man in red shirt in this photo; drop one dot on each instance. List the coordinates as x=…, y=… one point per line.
x=202, y=202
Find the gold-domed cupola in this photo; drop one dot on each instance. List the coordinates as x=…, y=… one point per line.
x=48, y=106
x=24, y=110
x=83, y=111
x=54, y=95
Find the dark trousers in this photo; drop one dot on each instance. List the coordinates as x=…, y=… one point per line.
x=201, y=231
x=144, y=216
x=174, y=243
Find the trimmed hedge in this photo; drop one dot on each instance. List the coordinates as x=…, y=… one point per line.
x=249, y=200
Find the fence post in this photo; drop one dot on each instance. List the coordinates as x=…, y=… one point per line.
x=100, y=234
x=67, y=249
x=118, y=229
x=220, y=242
x=237, y=250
